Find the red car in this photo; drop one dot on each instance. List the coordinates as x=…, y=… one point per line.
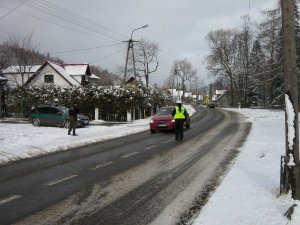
x=163, y=120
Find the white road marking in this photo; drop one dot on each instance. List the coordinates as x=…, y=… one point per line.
x=150, y=147
x=129, y=155
x=9, y=199
x=60, y=180
x=100, y=166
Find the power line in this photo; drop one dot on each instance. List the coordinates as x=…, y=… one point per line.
x=73, y=18
x=42, y=19
x=12, y=10
x=50, y=22
x=68, y=16
x=70, y=20
x=105, y=57
x=85, y=49
x=106, y=29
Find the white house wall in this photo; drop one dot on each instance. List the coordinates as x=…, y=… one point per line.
x=78, y=78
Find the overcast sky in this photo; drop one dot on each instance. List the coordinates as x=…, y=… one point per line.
x=179, y=27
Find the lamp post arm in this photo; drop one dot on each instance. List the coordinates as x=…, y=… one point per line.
x=138, y=29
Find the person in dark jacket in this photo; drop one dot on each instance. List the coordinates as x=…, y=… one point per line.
x=73, y=111
x=179, y=113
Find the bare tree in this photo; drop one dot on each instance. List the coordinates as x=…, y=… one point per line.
x=223, y=60
x=245, y=45
x=184, y=71
x=171, y=82
x=23, y=54
x=195, y=86
x=146, y=58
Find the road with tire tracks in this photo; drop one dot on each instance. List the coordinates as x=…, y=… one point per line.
x=138, y=179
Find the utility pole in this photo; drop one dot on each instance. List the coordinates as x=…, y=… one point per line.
x=291, y=164
x=130, y=46
x=177, y=83
x=173, y=81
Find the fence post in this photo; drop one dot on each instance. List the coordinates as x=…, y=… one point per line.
x=128, y=115
x=96, y=113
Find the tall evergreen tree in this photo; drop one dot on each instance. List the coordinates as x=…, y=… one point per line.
x=257, y=81
x=269, y=36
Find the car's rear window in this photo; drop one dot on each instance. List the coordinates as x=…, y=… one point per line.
x=164, y=111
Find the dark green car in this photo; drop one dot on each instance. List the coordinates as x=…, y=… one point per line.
x=52, y=115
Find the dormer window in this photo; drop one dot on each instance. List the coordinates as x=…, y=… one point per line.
x=49, y=79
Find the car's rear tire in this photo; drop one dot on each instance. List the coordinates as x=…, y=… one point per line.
x=36, y=122
x=66, y=124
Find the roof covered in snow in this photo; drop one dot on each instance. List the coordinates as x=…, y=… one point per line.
x=77, y=69
x=67, y=71
x=18, y=69
x=64, y=73
x=93, y=76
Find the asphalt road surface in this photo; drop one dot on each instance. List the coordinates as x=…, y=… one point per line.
x=138, y=179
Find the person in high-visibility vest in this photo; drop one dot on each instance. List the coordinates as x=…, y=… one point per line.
x=179, y=113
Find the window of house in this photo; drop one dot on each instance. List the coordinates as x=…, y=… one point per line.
x=84, y=78
x=49, y=79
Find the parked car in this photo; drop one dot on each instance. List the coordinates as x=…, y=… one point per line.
x=53, y=115
x=163, y=120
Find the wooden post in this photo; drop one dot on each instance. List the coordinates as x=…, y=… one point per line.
x=291, y=96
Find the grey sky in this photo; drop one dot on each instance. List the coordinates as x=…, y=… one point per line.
x=178, y=26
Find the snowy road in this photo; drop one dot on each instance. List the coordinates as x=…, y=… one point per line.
x=138, y=179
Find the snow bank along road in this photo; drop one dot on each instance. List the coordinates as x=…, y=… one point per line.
x=137, y=179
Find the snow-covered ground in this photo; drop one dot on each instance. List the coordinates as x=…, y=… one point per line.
x=23, y=140
x=19, y=141
x=247, y=195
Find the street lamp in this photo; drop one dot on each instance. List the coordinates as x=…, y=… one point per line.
x=130, y=46
x=145, y=26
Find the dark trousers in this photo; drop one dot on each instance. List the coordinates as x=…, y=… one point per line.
x=73, y=124
x=179, y=129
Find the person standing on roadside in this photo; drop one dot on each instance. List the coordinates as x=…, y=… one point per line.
x=179, y=113
x=73, y=111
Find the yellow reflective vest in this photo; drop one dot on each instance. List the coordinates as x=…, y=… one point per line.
x=179, y=114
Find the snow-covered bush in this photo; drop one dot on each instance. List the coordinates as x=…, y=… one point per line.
x=117, y=99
